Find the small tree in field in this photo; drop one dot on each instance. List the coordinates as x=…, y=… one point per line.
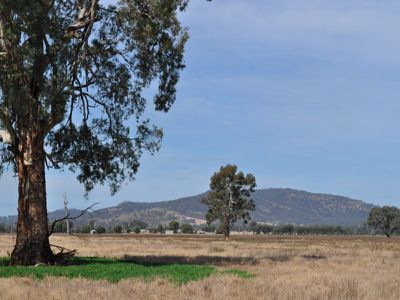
x=117, y=229
x=86, y=228
x=229, y=197
x=385, y=218
x=174, y=225
x=187, y=228
x=100, y=230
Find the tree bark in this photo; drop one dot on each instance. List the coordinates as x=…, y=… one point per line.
x=32, y=243
x=227, y=227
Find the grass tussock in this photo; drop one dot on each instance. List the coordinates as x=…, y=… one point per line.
x=215, y=249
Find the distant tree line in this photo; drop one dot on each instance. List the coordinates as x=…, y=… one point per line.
x=381, y=221
x=4, y=228
x=292, y=229
x=60, y=227
x=135, y=226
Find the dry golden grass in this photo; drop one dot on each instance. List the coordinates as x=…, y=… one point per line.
x=285, y=268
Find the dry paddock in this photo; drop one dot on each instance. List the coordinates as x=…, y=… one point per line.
x=285, y=267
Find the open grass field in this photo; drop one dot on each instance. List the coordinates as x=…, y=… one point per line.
x=283, y=267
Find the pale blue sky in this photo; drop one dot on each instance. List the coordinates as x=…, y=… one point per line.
x=304, y=94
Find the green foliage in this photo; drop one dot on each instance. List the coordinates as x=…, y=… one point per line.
x=62, y=226
x=306, y=230
x=117, y=229
x=186, y=228
x=323, y=230
x=220, y=230
x=58, y=227
x=229, y=197
x=385, y=218
x=80, y=83
x=139, y=224
x=265, y=229
x=174, y=225
x=91, y=224
x=100, y=230
x=260, y=228
x=86, y=228
x=208, y=228
x=137, y=230
x=4, y=228
x=284, y=229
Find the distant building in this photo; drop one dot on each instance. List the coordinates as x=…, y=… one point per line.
x=169, y=232
x=144, y=231
x=93, y=231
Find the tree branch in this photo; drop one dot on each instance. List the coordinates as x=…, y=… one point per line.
x=3, y=46
x=61, y=256
x=85, y=20
x=67, y=217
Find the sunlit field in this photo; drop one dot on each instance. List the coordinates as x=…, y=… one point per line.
x=282, y=267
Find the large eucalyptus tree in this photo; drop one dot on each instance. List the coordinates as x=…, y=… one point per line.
x=72, y=78
x=229, y=198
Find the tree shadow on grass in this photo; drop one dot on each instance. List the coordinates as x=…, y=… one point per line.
x=4, y=261
x=279, y=258
x=313, y=257
x=153, y=260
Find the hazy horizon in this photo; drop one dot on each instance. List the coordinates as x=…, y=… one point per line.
x=104, y=204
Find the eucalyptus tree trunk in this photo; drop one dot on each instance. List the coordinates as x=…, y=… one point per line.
x=227, y=227
x=32, y=244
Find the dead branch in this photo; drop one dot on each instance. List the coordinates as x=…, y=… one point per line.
x=68, y=217
x=64, y=254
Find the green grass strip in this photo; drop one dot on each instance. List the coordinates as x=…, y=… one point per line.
x=115, y=270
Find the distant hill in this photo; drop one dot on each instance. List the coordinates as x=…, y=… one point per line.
x=300, y=207
x=278, y=206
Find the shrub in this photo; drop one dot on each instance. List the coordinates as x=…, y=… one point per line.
x=100, y=230
x=187, y=228
x=85, y=228
x=160, y=229
x=174, y=225
x=117, y=229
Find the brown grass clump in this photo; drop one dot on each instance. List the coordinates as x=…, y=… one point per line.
x=285, y=267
